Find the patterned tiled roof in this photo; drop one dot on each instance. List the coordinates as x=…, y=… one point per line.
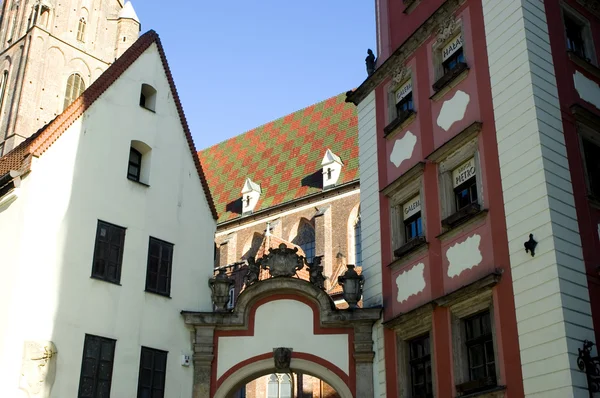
x=283, y=156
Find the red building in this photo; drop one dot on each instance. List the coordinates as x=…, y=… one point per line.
x=483, y=117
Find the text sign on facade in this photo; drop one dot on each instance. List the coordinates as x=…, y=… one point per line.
x=412, y=207
x=452, y=47
x=404, y=91
x=463, y=172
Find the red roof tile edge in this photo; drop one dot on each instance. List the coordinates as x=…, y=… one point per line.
x=42, y=140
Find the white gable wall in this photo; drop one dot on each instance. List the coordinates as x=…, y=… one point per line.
x=83, y=178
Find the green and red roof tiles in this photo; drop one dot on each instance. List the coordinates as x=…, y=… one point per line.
x=283, y=157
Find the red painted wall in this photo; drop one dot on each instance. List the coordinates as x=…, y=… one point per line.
x=492, y=228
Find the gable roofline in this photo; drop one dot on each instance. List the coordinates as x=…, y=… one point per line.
x=39, y=143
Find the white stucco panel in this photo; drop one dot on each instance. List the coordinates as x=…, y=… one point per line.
x=411, y=282
x=283, y=323
x=453, y=110
x=587, y=89
x=463, y=256
x=403, y=148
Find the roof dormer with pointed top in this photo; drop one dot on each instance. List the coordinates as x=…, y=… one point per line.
x=332, y=168
x=250, y=195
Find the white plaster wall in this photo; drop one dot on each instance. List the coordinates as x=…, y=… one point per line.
x=551, y=296
x=80, y=179
x=403, y=148
x=587, y=89
x=283, y=323
x=453, y=110
x=370, y=228
x=410, y=282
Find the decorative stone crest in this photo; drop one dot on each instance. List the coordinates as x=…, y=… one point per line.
x=283, y=261
x=283, y=358
x=315, y=270
x=219, y=287
x=252, y=273
x=447, y=29
x=400, y=74
x=38, y=368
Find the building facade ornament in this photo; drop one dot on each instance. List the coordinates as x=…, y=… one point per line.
x=401, y=54
x=447, y=30
x=315, y=270
x=38, y=368
x=400, y=75
x=252, y=273
x=282, y=261
x=282, y=357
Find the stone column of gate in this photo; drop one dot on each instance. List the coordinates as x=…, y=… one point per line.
x=203, y=359
x=363, y=358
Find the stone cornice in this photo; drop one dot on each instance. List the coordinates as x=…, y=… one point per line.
x=592, y=6
x=442, y=17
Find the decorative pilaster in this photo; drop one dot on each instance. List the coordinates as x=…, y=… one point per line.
x=363, y=357
x=203, y=359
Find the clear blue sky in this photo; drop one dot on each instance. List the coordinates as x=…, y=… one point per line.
x=240, y=64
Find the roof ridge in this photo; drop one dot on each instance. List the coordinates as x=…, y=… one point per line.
x=272, y=121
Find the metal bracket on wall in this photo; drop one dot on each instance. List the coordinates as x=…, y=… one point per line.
x=530, y=245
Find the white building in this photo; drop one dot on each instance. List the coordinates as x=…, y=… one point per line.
x=91, y=206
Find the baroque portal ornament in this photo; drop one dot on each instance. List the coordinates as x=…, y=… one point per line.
x=283, y=358
x=590, y=365
x=352, y=285
x=400, y=74
x=315, y=270
x=253, y=272
x=283, y=261
x=220, y=285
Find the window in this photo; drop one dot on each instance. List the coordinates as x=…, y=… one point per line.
x=413, y=225
x=404, y=101
x=574, y=32
x=153, y=368
x=148, y=97
x=306, y=239
x=135, y=165
x=357, y=243
x=420, y=368
x=3, y=84
x=231, y=302
x=591, y=153
x=465, y=184
x=480, y=349
x=75, y=87
x=279, y=386
x=453, y=54
x=96, y=367
x=108, y=252
x=158, y=275
x=1, y=149
x=81, y=30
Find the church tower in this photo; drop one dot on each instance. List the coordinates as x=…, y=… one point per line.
x=50, y=52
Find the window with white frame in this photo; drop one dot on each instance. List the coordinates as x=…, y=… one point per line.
x=578, y=34
x=449, y=55
x=413, y=222
x=138, y=168
x=464, y=182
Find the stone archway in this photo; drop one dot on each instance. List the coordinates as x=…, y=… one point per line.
x=285, y=315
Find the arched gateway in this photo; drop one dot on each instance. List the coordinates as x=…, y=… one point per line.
x=278, y=325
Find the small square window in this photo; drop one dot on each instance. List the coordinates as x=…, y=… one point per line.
x=153, y=370
x=135, y=165
x=108, y=252
x=420, y=367
x=591, y=153
x=96, y=367
x=158, y=273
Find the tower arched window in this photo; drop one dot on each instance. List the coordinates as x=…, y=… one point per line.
x=81, y=30
x=75, y=87
x=357, y=243
x=3, y=84
x=279, y=386
x=306, y=240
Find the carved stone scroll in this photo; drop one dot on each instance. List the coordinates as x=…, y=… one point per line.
x=447, y=29
x=38, y=368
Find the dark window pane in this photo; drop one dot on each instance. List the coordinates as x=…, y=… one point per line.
x=480, y=347
x=575, y=42
x=466, y=193
x=160, y=261
x=108, y=256
x=151, y=381
x=592, y=154
x=96, y=367
x=420, y=367
x=413, y=226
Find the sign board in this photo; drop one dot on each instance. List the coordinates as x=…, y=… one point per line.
x=463, y=172
x=452, y=47
x=404, y=91
x=411, y=207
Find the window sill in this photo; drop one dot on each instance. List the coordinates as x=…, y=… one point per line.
x=98, y=278
x=138, y=182
x=450, y=80
x=410, y=247
x=158, y=294
x=584, y=64
x=490, y=392
x=399, y=123
x=461, y=216
x=148, y=109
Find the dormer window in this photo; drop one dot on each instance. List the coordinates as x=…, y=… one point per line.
x=148, y=97
x=250, y=195
x=332, y=168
